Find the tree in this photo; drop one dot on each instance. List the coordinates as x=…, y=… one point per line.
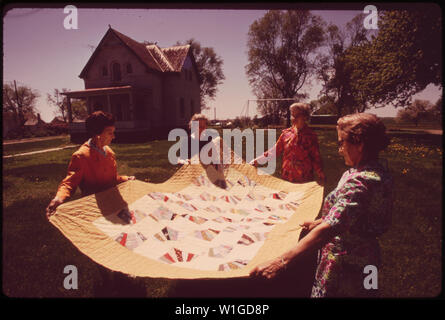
x=78, y=107
x=210, y=71
x=402, y=59
x=281, y=47
x=324, y=105
x=415, y=112
x=19, y=103
x=334, y=70
x=59, y=101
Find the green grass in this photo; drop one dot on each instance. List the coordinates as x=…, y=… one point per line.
x=24, y=147
x=35, y=252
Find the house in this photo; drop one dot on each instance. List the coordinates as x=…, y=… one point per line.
x=150, y=90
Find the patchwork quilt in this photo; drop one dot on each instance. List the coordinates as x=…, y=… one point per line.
x=204, y=222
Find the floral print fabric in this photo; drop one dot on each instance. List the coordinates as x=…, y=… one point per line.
x=358, y=210
x=301, y=155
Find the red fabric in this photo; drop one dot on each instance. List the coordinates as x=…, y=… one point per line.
x=301, y=155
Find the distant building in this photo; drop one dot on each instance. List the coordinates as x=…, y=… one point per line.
x=150, y=90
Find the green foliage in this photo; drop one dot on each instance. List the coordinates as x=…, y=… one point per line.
x=281, y=47
x=401, y=60
x=335, y=71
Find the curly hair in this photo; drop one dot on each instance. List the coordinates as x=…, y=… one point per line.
x=98, y=121
x=366, y=128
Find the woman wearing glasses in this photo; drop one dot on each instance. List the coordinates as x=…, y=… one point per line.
x=354, y=215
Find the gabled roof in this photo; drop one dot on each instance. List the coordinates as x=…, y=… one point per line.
x=161, y=60
x=176, y=55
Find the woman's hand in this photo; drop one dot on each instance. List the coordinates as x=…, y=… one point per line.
x=131, y=178
x=309, y=225
x=253, y=163
x=51, y=209
x=269, y=269
x=182, y=162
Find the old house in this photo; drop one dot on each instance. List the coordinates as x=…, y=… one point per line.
x=150, y=90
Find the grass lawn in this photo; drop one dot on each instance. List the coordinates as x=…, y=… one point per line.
x=24, y=147
x=35, y=253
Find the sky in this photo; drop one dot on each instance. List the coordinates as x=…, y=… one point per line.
x=40, y=53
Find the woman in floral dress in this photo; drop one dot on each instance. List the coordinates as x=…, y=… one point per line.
x=354, y=215
x=299, y=147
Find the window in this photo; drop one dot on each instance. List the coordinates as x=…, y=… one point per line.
x=104, y=71
x=117, y=112
x=181, y=108
x=129, y=68
x=116, y=72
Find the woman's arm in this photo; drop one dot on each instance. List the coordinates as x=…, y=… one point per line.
x=312, y=241
x=270, y=154
x=68, y=185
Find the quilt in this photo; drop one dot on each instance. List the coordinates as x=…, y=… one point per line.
x=204, y=222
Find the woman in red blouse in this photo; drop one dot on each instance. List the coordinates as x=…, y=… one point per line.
x=299, y=147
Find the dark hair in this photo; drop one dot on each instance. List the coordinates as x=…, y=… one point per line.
x=366, y=128
x=98, y=121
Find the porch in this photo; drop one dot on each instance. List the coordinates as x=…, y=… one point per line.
x=130, y=107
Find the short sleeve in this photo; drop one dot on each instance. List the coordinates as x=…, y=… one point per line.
x=350, y=201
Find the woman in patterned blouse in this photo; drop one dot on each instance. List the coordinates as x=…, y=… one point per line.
x=353, y=215
x=299, y=147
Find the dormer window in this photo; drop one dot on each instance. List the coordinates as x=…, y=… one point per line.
x=116, y=68
x=129, y=68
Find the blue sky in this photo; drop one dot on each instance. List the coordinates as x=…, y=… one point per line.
x=39, y=52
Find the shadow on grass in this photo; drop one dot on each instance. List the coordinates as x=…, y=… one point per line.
x=296, y=281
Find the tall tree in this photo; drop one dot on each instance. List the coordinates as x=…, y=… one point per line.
x=59, y=101
x=334, y=69
x=404, y=57
x=281, y=53
x=210, y=71
x=20, y=101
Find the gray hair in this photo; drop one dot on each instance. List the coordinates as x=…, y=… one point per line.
x=301, y=107
x=197, y=117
